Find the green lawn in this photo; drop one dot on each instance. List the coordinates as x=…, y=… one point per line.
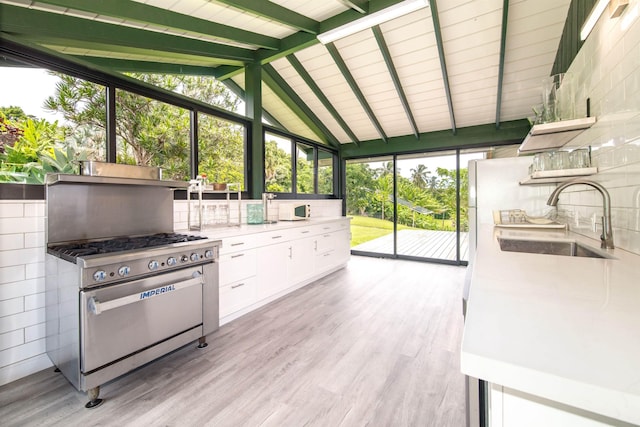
x=364, y=229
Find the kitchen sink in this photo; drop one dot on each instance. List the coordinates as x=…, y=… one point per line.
x=550, y=247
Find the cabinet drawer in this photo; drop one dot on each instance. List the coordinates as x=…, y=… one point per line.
x=239, y=243
x=237, y=295
x=237, y=265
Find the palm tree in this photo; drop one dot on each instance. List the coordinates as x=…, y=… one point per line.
x=419, y=176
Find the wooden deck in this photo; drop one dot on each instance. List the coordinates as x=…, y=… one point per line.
x=420, y=243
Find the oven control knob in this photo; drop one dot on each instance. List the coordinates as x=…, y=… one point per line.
x=171, y=261
x=153, y=265
x=184, y=258
x=124, y=271
x=99, y=275
x=195, y=257
x=208, y=253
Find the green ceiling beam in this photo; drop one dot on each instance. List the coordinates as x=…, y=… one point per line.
x=512, y=132
x=301, y=40
x=288, y=45
x=282, y=89
x=321, y=96
x=103, y=50
x=384, y=49
x=443, y=62
x=360, y=6
x=37, y=25
x=133, y=66
x=225, y=72
x=273, y=11
x=240, y=93
x=142, y=13
x=503, y=46
x=342, y=66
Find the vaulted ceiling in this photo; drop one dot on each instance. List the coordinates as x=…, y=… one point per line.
x=451, y=65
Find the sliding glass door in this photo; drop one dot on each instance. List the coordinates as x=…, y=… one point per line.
x=371, y=203
x=410, y=206
x=427, y=206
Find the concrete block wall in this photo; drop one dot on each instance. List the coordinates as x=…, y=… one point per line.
x=22, y=332
x=607, y=71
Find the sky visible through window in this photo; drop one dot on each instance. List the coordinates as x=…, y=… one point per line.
x=28, y=88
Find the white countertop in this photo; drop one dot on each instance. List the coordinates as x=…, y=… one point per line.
x=243, y=229
x=562, y=328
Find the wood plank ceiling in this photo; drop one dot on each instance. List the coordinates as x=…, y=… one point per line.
x=450, y=65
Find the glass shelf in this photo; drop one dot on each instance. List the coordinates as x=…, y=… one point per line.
x=555, y=176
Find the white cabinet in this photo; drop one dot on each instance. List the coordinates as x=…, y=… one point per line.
x=237, y=274
x=273, y=266
x=301, y=260
x=332, y=247
x=511, y=408
x=260, y=267
x=237, y=296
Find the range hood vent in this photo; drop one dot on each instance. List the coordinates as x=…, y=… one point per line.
x=551, y=136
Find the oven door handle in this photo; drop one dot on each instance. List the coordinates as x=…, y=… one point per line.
x=96, y=307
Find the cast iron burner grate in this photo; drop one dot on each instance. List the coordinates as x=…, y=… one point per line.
x=70, y=251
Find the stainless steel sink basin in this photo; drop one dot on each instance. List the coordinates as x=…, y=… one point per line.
x=565, y=248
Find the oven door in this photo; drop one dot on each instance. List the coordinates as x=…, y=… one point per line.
x=119, y=320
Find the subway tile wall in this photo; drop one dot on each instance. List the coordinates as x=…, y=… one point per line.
x=607, y=71
x=238, y=212
x=22, y=332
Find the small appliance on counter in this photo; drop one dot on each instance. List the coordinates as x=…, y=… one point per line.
x=293, y=211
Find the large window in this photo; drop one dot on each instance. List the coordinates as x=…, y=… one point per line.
x=277, y=163
x=325, y=172
x=50, y=120
x=298, y=167
x=221, y=150
x=152, y=133
x=304, y=168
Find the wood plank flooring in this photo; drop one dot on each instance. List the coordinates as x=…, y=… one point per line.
x=374, y=344
x=432, y=244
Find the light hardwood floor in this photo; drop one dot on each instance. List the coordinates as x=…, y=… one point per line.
x=374, y=344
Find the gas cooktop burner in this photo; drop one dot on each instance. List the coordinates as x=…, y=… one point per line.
x=71, y=251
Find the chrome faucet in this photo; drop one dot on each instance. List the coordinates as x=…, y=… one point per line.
x=606, y=239
x=266, y=199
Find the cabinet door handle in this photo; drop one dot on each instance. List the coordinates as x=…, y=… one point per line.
x=237, y=256
x=290, y=252
x=305, y=232
x=237, y=244
x=276, y=237
x=326, y=228
x=237, y=286
x=315, y=245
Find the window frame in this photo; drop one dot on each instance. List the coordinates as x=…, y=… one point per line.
x=112, y=82
x=295, y=139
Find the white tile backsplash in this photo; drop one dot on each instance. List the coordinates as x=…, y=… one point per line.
x=11, y=339
x=22, y=314
x=319, y=208
x=607, y=71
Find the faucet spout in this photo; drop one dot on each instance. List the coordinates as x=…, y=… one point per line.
x=606, y=239
x=266, y=199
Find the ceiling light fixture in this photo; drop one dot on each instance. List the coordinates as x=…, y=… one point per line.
x=376, y=18
x=593, y=18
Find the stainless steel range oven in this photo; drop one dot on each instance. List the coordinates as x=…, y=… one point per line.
x=121, y=287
